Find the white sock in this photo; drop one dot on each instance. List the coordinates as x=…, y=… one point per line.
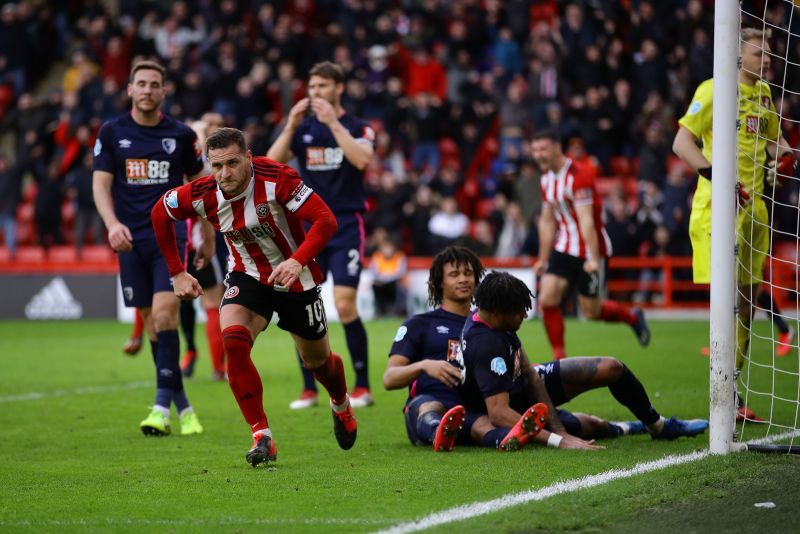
x=338, y=408
x=162, y=409
x=266, y=432
x=186, y=410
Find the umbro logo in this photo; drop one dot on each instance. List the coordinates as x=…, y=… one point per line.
x=54, y=301
x=443, y=329
x=307, y=138
x=124, y=143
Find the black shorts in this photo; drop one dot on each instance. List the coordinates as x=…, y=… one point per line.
x=571, y=268
x=211, y=275
x=301, y=313
x=550, y=373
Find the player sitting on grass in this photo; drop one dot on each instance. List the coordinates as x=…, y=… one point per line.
x=425, y=357
x=501, y=382
x=260, y=206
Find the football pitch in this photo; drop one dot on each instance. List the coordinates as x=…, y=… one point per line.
x=72, y=457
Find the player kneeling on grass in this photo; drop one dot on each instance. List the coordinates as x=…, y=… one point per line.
x=425, y=357
x=501, y=382
x=260, y=207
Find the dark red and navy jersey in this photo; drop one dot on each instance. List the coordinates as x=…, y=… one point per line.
x=492, y=361
x=146, y=161
x=262, y=226
x=324, y=167
x=434, y=335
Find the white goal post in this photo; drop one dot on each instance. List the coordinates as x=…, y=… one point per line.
x=723, y=217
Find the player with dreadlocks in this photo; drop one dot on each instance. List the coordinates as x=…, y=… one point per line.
x=501, y=382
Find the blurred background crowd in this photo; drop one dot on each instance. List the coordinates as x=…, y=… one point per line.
x=453, y=88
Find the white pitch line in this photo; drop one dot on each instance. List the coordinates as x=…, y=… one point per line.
x=87, y=390
x=468, y=511
x=225, y=521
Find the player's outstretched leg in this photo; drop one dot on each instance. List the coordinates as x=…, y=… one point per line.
x=451, y=424
x=528, y=426
x=675, y=428
x=614, y=312
x=263, y=449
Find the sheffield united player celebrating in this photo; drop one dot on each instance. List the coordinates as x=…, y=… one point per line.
x=137, y=158
x=573, y=246
x=260, y=207
x=333, y=149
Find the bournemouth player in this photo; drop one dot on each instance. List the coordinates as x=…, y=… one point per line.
x=425, y=357
x=137, y=158
x=260, y=207
x=758, y=135
x=573, y=246
x=502, y=383
x=333, y=148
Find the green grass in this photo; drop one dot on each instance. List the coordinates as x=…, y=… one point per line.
x=73, y=458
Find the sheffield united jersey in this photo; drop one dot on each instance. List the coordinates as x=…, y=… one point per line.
x=492, y=360
x=259, y=225
x=565, y=190
x=324, y=167
x=146, y=161
x=434, y=335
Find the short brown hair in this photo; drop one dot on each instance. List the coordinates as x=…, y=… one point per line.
x=546, y=133
x=148, y=65
x=326, y=69
x=225, y=137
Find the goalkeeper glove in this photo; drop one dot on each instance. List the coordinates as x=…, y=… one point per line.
x=742, y=196
x=778, y=170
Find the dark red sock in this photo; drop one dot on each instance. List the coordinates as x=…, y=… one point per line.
x=614, y=312
x=554, y=326
x=214, y=336
x=331, y=375
x=138, y=325
x=243, y=377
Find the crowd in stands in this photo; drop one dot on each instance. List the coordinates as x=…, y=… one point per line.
x=453, y=89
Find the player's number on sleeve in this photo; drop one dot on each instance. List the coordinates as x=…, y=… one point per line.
x=316, y=313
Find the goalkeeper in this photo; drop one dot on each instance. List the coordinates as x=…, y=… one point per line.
x=758, y=135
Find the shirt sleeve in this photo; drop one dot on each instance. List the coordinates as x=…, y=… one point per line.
x=582, y=187
x=698, y=117
x=363, y=134
x=103, y=156
x=493, y=368
x=774, y=122
x=407, y=341
x=290, y=190
x=192, y=154
x=178, y=203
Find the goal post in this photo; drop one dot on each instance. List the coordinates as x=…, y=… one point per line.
x=723, y=218
x=755, y=126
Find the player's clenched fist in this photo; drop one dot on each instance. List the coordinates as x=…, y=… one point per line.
x=286, y=273
x=119, y=237
x=186, y=286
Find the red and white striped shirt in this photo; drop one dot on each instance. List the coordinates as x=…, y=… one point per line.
x=263, y=225
x=564, y=190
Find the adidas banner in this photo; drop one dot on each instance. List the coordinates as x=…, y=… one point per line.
x=57, y=297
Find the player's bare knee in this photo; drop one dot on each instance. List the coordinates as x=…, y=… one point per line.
x=611, y=367
x=433, y=406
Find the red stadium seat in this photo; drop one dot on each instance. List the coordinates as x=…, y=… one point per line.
x=62, y=254
x=30, y=254
x=620, y=166
x=97, y=253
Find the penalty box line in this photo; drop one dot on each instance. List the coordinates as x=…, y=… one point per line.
x=468, y=511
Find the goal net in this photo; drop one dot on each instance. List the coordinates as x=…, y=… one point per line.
x=767, y=249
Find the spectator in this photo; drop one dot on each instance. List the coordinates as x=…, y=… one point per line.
x=514, y=233
x=10, y=194
x=448, y=224
x=388, y=265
